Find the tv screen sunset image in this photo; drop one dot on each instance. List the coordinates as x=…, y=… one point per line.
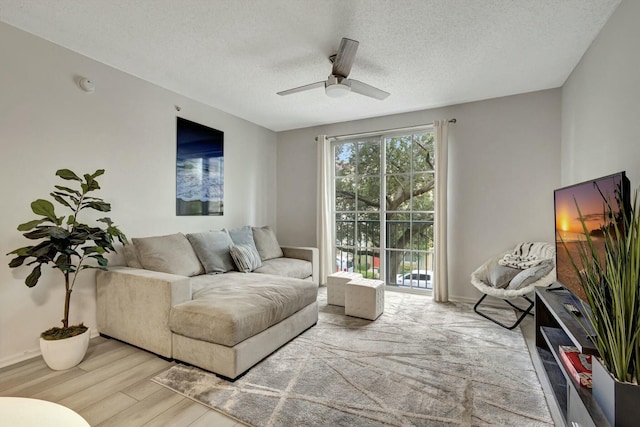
x=599, y=203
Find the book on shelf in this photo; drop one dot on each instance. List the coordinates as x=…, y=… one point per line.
x=578, y=365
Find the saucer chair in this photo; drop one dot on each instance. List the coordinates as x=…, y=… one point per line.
x=493, y=279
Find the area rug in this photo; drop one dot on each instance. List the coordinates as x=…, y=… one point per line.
x=420, y=364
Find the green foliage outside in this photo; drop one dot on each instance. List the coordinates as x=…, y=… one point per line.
x=408, y=200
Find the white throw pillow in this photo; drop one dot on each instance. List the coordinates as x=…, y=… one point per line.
x=246, y=257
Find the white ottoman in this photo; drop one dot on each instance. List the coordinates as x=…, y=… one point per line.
x=364, y=298
x=335, y=286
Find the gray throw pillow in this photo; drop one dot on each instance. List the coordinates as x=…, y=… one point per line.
x=241, y=236
x=168, y=254
x=212, y=249
x=500, y=275
x=530, y=275
x=246, y=257
x=267, y=243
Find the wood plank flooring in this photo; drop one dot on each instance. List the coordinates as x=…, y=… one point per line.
x=111, y=387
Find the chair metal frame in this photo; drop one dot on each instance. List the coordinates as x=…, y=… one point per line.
x=524, y=312
x=478, y=280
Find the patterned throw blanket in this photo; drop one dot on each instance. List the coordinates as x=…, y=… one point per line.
x=525, y=255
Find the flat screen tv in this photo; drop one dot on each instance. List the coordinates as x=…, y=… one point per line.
x=602, y=202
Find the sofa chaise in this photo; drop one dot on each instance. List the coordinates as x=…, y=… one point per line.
x=182, y=297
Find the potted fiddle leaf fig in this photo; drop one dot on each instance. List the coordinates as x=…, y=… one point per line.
x=611, y=282
x=70, y=246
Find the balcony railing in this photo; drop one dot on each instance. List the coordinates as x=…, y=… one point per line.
x=408, y=257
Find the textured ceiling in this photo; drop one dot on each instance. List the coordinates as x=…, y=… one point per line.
x=236, y=54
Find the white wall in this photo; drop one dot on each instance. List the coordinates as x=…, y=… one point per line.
x=601, y=103
x=126, y=127
x=504, y=163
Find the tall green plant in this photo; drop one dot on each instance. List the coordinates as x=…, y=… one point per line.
x=64, y=241
x=612, y=288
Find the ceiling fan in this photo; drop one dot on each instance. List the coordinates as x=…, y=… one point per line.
x=338, y=84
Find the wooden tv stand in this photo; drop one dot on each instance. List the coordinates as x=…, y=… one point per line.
x=556, y=326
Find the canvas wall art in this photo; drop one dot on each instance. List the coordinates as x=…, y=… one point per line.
x=199, y=169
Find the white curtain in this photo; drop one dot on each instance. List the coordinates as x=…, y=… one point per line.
x=324, y=225
x=441, y=286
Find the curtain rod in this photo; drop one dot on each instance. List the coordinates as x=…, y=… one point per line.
x=377, y=132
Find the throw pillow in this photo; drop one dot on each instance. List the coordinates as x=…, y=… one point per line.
x=266, y=243
x=530, y=275
x=241, y=236
x=171, y=254
x=131, y=256
x=500, y=276
x=212, y=249
x=246, y=257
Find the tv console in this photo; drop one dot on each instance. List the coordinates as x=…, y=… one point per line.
x=555, y=326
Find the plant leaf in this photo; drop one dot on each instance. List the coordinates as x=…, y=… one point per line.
x=102, y=261
x=47, y=231
x=93, y=185
x=17, y=261
x=38, y=233
x=99, y=206
x=97, y=173
x=58, y=233
x=26, y=251
x=31, y=224
x=68, y=190
x=33, y=277
x=44, y=252
x=44, y=208
x=67, y=174
x=60, y=200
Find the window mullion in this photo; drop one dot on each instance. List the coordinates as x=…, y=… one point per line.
x=383, y=210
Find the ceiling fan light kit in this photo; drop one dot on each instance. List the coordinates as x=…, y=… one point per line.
x=336, y=88
x=338, y=84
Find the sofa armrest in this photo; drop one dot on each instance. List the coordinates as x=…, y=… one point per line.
x=133, y=305
x=307, y=254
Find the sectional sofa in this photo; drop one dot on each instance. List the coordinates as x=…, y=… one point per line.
x=183, y=297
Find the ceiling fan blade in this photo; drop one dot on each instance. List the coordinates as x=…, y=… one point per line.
x=301, y=88
x=367, y=90
x=344, y=58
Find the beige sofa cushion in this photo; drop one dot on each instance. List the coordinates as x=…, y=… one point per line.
x=237, y=306
x=131, y=256
x=212, y=249
x=266, y=243
x=286, y=267
x=171, y=254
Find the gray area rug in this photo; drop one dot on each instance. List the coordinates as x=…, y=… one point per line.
x=420, y=364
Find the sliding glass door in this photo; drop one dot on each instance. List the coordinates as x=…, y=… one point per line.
x=384, y=208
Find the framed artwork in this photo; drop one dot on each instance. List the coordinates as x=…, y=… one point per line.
x=199, y=169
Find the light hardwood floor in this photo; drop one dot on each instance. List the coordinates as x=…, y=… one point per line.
x=111, y=387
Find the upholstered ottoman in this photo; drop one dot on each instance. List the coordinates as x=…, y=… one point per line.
x=364, y=298
x=335, y=286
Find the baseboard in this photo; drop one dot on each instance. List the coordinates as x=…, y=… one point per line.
x=489, y=302
x=30, y=354
x=466, y=300
x=17, y=358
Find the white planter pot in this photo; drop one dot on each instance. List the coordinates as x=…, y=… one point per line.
x=66, y=353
